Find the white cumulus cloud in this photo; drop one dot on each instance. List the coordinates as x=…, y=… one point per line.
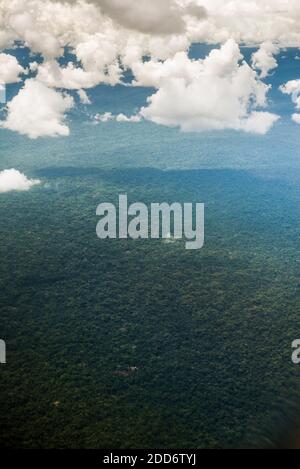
x=14, y=180
x=108, y=116
x=10, y=69
x=83, y=97
x=292, y=88
x=122, y=118
x=249, y=21
x=296, y=118
x=264, y=59
x=38, y=111
x=110, y=37
x=219, y=92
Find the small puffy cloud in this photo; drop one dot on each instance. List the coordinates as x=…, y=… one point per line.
x=38, y=111
x=108, y=116
x=292, y=88
x=83, y=97
x=134, y=119
x=13, y=180
x=296, y=118
x=216, y=93
x=259, y=122
x=264, y=60
x=10, y=69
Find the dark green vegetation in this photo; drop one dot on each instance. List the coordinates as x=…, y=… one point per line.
x=210, y=331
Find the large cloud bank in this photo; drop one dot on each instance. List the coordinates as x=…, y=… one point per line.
x=108, y=37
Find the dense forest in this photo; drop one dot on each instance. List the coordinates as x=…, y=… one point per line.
x=142, y=343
